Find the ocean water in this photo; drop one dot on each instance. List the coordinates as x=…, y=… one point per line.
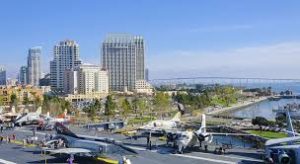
x=264, y=108
x=232, y=140
x=276, y=86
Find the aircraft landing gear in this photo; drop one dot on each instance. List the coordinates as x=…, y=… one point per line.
x=180, y=149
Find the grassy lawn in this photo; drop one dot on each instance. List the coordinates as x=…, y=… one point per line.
x=268, y=134
x=140, y=120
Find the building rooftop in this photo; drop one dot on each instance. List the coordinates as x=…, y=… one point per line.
x=122, y=38
x=67, y=42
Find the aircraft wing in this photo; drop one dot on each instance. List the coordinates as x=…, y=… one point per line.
x=281, y=140
x=286, y=147
x=68, y=151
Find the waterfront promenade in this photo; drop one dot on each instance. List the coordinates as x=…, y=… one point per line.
x=239, y=105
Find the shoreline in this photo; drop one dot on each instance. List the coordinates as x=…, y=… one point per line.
x=237, y=106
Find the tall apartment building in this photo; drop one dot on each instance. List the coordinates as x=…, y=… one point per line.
x=34, y=66
x=66, y=56
x=91, y=79
x=86, y=79
x=23, y=75
x=2, y=76
x=70, y=81
x=123, y=58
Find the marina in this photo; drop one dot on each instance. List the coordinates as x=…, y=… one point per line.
x=262, y=109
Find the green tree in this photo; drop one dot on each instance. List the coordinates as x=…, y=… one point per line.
x=161, y=102
x=97, y=104
x=37, y=101
x=260, y=121
x=126, y=108
x=142, y=106
x=1, y=100
x=110, y=107
x=26, y=100
x=14, y=99
x=135, y=106
x=91, y=111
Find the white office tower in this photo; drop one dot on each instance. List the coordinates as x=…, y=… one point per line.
x=23, y=75
x=2, y=76
x=34, y=66
x=123, y=58
x=91, y=79
x=66, y=56
x=70, y=81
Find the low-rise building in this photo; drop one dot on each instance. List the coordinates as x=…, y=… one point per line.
x=84, y=97
x=143, y=87
x=23, y=93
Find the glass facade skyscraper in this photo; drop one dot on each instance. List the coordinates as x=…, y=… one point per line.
x=34, y=66
x=2, y=76
x=23, y=75
x=66, y=56
x=123, y=57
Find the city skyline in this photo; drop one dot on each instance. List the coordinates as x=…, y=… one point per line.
x=238, y=38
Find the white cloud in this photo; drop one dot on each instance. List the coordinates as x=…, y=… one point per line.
x=272, y=61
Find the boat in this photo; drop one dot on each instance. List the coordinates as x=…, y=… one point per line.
x=293, y=108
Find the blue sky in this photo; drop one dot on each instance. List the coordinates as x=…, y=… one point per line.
x=196, y=37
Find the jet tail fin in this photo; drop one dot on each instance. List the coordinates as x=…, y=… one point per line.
x=13, y=109
x=290, y=128
x=202, y=129
x=21, y=110
x=39, y=110
x=65, y=112
x=176, y=117
x=61, y=129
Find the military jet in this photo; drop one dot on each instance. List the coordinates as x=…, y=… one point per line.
x=188, y=138
x=48, y=122
x=159, y=127
x=29, y=118
x=74, y=144
x=9, y=116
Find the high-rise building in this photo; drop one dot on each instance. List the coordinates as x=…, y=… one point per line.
x=123, y=58
x=66, y=56
x=2, y=76
x=85, y=79
x=70, y=81
x=102, y=81
x=147, y=74
x=34, y=66
x=23, y=75
x=92, y=80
